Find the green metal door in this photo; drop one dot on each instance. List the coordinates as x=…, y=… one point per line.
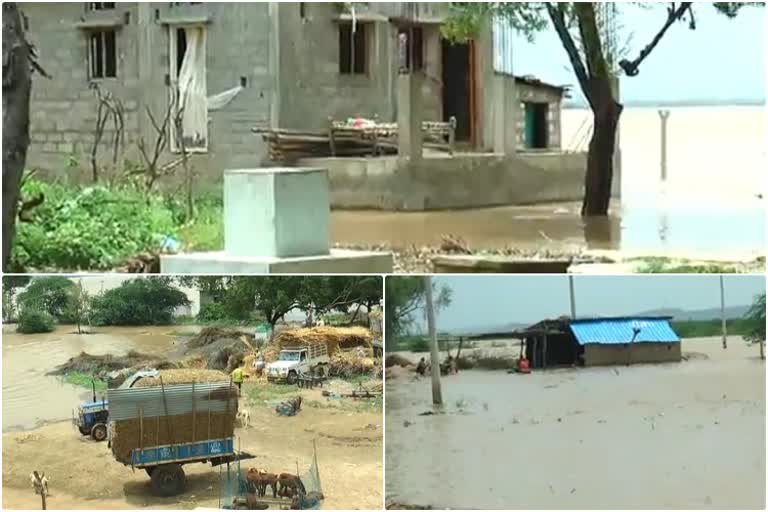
x=530, y=125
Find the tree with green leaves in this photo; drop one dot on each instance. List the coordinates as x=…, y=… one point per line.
x=405, y=298
x=756, y=319
x=139, y=301
x=581, y=28
x=78, y=306
x=50, y=294
x=10, y=285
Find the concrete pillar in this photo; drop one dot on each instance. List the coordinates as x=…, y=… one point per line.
x=616, y=188
x=664, y=117
x=505, y=115
x=409, y=115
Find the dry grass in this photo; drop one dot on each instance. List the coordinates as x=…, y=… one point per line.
x=397, y=360
x=335, y=338
x=183, y=376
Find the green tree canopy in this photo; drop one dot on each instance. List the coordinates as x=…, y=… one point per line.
x=49, y=294
x=405, y=297
x=756, y=319
x=139, y=301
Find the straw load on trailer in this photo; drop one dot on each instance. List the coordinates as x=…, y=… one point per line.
x=335, y=338
x=173, y=408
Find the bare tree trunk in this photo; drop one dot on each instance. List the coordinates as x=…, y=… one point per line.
x=762, y=350
x=598, y=181
x=17, y=83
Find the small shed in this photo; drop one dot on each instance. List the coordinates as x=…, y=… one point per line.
x=539, y=124
x=609, y=341
x=600, y=341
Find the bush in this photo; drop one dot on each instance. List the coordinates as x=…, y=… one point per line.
x=90, y=228
x=140, y=301
x=211, y=313
x=33, y=321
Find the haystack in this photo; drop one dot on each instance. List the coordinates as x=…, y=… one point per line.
x=210, y=335
x=397, y=360
x=145, y=432
x=351, y=363
x=335, y=338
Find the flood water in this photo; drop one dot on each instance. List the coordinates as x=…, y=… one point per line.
x=689, y=435
x=708, y=205
x=31, y=397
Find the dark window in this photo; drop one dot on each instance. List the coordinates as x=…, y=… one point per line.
x=181, y=49
x=303, y=10
x=102, y=53
x=536, y=125
x=414, y=47
x=353, y=49
x=100, y=6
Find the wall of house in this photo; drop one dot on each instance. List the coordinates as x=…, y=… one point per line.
x=534, y=94
x=63, y=110
x=462, y=181
x=632, y=353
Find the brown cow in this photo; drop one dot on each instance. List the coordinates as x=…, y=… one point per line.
x=260, y=480
x=289, y=485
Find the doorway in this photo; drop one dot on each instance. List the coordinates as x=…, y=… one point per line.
x=459, y=88
x=536, y=125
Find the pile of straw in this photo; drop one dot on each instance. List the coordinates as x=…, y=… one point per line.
x=334, y=337
x=351, y=363
x=182, y=376
x=136, y=433
x=397, y=360
x=210, y=335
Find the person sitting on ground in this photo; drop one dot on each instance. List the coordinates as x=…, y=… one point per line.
x=421, y=368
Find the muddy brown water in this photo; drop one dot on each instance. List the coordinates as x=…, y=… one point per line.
x=30, y=397
x=699, y=228
x=681, y=436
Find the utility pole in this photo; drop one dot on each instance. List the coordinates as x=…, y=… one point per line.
x=437, y=396
x=722, y=312
x=664, y=115
x=573, y=297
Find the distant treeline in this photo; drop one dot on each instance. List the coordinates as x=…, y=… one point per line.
x=706, y=328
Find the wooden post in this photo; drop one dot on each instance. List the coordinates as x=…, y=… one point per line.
x=544, y=350
x=331, y=139
x=437, y=396
x=39, y=481
x=141, y=427
x=194, y=414
x=722, y=312
x=573, y=297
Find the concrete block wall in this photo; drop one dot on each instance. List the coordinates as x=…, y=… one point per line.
x=632, y=353
x=63, y=109
x=529, y=93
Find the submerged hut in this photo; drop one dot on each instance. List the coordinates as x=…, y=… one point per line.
x=600, y=341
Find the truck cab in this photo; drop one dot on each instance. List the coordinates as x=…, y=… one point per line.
x=293, y=362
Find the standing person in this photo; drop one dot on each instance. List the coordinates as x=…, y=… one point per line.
x=237, y=378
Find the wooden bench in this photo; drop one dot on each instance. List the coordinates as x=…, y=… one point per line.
x=437, y=134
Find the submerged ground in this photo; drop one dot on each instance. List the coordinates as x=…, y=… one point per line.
x=684, y=436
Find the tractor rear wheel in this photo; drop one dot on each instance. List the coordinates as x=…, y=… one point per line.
x=168, y=480
x=99, y=432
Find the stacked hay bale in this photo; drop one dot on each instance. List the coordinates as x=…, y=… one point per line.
x=335, y=338
x=146, y=415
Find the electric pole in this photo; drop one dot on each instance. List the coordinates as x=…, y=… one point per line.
x=722, y=312
x=437, y=396
x=573, y=297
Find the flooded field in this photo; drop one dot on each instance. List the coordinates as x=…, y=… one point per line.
x=682, y=436
x=27, y=358
x=709, y=204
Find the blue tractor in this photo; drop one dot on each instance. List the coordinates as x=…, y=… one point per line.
x=92, y=417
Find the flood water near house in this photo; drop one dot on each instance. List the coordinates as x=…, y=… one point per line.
x=31, y=397
x=687, y=436
x=709, y=204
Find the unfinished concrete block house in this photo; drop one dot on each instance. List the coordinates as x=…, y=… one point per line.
x=222, y=69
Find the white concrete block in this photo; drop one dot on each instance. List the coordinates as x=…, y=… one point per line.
x=276, y=212
x=336, y=262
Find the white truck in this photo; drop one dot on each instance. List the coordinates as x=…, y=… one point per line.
x=295, y=362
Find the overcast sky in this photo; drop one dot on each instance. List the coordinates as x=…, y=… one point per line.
x=722, y=59
x=496, y=300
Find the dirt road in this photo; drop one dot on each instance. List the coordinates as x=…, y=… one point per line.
x=83, y=474
x=673, y=436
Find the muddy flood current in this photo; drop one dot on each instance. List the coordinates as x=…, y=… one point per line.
x=672, y=436
x=30, y=397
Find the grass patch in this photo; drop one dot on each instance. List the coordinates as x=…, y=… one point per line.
x=258, y=393
x=206, y=232
x=669, y=266
x=84, y=380
x=710, y=328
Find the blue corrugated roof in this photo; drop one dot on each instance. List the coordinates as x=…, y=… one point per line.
x=621, y=330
